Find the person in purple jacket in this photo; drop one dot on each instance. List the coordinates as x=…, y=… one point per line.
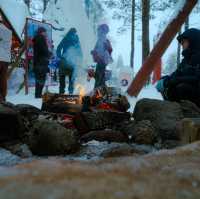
x=102, y=55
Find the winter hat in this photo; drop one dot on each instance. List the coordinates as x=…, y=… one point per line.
x=73, y=30
x=103, y=28
x=193, y=35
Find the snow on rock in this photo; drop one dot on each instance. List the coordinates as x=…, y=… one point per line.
x=16, y=12
x=7, y=158
x=64, y=15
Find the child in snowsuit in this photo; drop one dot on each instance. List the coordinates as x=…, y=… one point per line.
x=102, y=55
x=70, y=53
x=184, y=83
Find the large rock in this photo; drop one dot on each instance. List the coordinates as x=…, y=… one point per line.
x=162, y=114
x=189, y=130
x=50, y=138
x=190, y=110
x=99, y=119
x=11, y=123
x=144, y=133
x=28, y=111
x=105, y=135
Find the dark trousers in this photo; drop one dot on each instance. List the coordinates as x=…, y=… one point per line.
x=40, y=78
x=3, y=80
x=62, y=80
x=100, y=80
x=66, y=70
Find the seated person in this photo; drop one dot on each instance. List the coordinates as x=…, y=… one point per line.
x=184, y=83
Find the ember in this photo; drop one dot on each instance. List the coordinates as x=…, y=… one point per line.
x=105, y=106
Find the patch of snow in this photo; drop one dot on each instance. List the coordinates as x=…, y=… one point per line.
x=7, y=158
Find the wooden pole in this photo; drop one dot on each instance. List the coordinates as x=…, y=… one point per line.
x=159, y=49
x=26, y=60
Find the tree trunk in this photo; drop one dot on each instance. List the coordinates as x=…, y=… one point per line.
x=45, y=3
x=187, y=22
x=27, y=2
x=160, y=48
x=145, y=30
x=133, y=35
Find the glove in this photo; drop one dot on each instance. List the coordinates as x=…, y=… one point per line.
x=160, y=86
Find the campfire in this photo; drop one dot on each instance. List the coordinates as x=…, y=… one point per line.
x=106, y=98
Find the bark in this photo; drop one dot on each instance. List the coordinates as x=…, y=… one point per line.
x=187, y=23
x=91, y=121
x=160, y=48
x=56, y=103
x=145, y=28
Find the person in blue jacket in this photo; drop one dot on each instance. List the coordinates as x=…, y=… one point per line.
x=70, y=53
x=184, y=83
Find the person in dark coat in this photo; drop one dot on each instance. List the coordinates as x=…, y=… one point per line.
x=102, y=55
x=70, y=54
x=184, y=83
x=40, y=60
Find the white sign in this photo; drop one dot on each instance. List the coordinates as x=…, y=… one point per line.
x=5, y=43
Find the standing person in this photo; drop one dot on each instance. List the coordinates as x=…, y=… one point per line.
x=5, y=57
x=184, y=83
x=102, y=55
x=40, y=60
x=70, y=53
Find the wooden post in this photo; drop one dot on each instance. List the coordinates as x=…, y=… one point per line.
x=26, y=60
x=159, y=49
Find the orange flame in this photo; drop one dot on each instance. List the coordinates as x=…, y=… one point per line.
x=82, y=92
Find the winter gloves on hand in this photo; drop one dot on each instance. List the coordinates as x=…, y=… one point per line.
x=160, y=85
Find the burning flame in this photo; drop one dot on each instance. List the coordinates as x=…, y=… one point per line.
x=81, y=91
x=98, y=94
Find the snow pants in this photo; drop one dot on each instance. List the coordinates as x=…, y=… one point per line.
x=100, y=79
x=66, y=70
x=40, y=78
